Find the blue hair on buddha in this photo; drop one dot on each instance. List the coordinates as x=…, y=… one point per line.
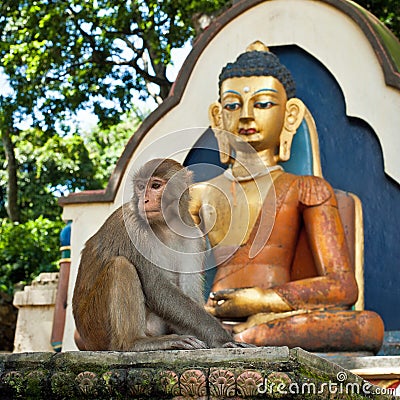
x=259, y=63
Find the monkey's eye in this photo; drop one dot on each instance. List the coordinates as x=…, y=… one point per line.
x=155, y=185
x=140, y=187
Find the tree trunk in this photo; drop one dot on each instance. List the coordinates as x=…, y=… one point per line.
x=164, y=91
x=12, y=186
x=160, y=71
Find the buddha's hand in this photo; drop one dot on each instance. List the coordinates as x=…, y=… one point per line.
x=236, y=303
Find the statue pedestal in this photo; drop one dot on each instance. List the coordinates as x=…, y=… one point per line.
x=381, y=370
x=35, y=314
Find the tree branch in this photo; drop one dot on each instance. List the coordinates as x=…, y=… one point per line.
x=12, y=184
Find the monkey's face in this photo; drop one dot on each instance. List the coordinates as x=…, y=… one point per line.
x=161, y=196
x=149, y=194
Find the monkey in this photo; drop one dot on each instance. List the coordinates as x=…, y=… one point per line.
x=139, y=283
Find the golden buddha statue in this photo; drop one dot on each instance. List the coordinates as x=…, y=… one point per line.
x=253, y=214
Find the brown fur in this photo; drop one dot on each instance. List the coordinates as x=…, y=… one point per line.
x=136, y=288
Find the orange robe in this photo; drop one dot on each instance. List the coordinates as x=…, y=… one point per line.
x=302, y=202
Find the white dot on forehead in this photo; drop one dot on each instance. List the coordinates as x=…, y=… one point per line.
x=246, y=89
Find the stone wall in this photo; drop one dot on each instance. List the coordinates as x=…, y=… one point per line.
x=269, y=372
x=35, y=315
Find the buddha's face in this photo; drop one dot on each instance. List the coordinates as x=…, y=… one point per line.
x=253, y=108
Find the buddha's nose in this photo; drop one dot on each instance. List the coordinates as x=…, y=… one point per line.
x=246, y=111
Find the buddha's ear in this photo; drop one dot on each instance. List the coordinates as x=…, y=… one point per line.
x=215, y=116
x=294, y=114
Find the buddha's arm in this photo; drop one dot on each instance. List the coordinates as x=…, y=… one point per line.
x=336, y=284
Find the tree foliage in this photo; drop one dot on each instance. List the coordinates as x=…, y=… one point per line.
x=72, y=52
x=388, y=11
x=51, y=165
x=39, y=240
x=48, y=165
x=105, y=146
x=65, y=56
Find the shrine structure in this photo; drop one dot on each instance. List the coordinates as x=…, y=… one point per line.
x=346, y=65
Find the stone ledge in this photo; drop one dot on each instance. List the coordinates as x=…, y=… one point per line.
x=41, y=292
x=370, y=367
x=270, y=372
x=34, y=298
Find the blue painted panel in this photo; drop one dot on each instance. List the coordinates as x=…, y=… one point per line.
x=203, y=159
x=300, y=161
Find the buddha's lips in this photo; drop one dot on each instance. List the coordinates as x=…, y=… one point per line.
x=250, y=131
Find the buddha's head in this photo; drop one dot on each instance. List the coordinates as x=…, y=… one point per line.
x=257, y=104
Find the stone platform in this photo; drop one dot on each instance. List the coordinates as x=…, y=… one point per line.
x=270, y=372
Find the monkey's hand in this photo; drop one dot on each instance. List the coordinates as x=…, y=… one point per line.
x=168, y=342
x=232, y=345
x=186, y=342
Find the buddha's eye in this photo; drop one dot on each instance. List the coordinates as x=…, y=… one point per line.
x=265, y=105
x=232, y=106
